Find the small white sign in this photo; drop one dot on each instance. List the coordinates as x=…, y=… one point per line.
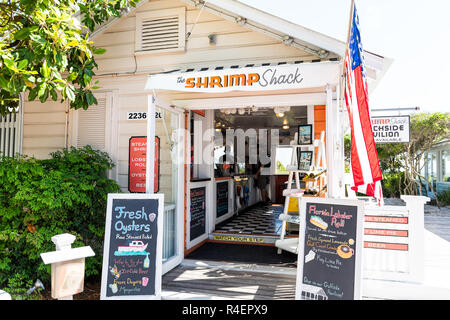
x=391, y=129
x=138, y=115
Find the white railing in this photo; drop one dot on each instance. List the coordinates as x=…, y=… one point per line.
x=10, y=126
x=394, y=241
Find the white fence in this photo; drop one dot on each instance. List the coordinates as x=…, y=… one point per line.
x=10, y=141
x=394, y=241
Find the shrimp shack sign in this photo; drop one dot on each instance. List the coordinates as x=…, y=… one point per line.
x=286, y=76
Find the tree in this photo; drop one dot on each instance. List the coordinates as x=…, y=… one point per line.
x=46, y=51
x=402, y=163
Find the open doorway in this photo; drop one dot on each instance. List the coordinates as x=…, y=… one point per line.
x=252, y=149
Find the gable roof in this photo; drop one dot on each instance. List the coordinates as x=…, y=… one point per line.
x=289, y=33
x=253, y=18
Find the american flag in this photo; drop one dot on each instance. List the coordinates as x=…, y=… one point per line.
x=365, y=165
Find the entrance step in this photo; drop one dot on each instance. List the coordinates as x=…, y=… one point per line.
x=243, y=238
x=210, y=280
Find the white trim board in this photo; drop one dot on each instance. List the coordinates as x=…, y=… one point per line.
x=257, y=101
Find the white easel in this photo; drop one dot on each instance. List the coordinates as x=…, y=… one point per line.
x=291, y=244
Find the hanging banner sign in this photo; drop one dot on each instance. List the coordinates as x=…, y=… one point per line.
x=287, y=76
x=132, y=251
x=330, y=248
x=137, y=164
x=391, y=129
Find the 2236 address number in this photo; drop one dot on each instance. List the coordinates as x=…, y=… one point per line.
x=141, y=115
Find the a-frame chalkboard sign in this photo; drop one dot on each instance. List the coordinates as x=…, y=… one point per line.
x=132, y=253
x=330, y=249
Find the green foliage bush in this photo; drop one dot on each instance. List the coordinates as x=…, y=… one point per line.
x=393, y=184
x=443, y=198
x=42, y=198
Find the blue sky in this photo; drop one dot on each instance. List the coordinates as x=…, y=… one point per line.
x=416, y=34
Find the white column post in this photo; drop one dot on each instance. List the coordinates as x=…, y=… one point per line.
x=330, y=142
x=415, y=205
x=150, y=172
x=340, y=158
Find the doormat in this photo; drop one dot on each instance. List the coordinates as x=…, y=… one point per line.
x=242, y=253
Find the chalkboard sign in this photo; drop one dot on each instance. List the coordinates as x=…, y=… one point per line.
x=198, y=212
x=222, y=198
x=132, y=259
x=330, y=245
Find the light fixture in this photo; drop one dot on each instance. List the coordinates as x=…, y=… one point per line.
x=241, y=21
x=212, y=39
x=241, y=111
x=199, y=3
x=279, y=111
x=285, y=124
x=288, y=39
x=323, y=53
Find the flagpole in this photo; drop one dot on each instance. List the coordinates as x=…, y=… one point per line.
x=341, y=96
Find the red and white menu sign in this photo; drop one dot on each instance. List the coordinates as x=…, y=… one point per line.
x=138, y=164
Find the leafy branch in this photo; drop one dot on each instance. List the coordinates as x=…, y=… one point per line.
x=46, y=52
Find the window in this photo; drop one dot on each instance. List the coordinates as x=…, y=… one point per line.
x=91, y=125
x=161, y=30
x=445, y=165
x=11, y=133
x=283, y=156
x=432, y=169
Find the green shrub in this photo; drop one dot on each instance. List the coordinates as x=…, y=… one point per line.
x=443, y=198
x=42, y=198
x=393, y=185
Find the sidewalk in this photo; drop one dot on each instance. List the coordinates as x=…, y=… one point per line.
x=436, y=284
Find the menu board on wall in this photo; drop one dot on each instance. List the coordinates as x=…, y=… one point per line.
x=330, y=248
x=222, y=198
x=198, y=212
x=137, y=164
x=132, y=254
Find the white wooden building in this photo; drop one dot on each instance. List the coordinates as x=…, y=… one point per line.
x=175, y=37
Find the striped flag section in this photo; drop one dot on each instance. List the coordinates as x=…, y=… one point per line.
x=365, y=164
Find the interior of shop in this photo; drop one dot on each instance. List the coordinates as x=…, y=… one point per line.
x=259, y=174
x=264, y=159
